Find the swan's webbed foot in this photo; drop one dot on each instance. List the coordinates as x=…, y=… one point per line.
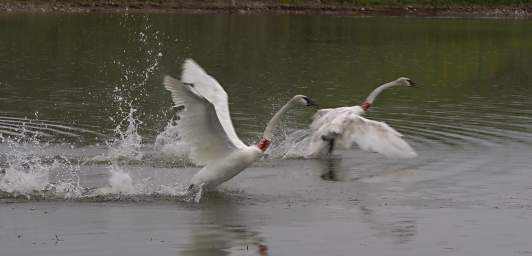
x=196, y=191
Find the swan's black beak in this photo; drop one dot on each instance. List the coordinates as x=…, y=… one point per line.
x=411, y=83
x=311, y=103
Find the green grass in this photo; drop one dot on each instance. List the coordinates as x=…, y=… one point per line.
x=426, y=2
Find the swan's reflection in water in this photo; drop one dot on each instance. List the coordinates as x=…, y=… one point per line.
x=400, y=226
x=331, y=169
x=223, y=229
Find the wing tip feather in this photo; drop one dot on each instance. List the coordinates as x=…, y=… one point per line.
x=170, y=83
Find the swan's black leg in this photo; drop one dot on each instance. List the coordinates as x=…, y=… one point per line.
x=331, y=146
x=190, y=188
x=330, y=142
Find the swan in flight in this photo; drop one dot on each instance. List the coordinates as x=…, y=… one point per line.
x=205, y=126
x=344, y=126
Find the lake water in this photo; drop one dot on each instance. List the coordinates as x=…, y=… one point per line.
x=91, y=164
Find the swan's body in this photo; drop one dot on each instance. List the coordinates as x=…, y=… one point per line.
x=205, y=126
x=226, y=168
x=342, y=127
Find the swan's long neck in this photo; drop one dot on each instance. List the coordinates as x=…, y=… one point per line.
x=371, y=97
x=268, y=132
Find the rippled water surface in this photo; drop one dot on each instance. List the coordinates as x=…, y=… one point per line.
x=91, y=164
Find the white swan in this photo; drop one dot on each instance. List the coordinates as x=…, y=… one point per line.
x=205, y=126
x=344, y=126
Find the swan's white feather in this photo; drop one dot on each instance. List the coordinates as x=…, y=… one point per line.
x=325, y=116
x=377, y=137
x=199, y=125
x=210, y=89
x=347, y=127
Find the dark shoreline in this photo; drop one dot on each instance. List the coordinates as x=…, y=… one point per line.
x=269, y=7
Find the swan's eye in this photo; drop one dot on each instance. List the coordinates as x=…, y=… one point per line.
x=189, y=84
x=410, y=82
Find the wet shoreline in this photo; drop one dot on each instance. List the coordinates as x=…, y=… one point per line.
x=270, y=7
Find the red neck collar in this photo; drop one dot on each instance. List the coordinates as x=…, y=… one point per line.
x=365, y=105
x=263, y=144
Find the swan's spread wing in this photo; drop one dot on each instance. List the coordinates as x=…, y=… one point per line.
x=319, y=118
x=375, y=136
x=199, y=126
x=346, y=127
x=211, y=90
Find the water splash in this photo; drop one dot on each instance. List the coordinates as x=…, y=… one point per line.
x=168, y=144
x=137, y=64
x=24, y=182
x=128, y=143
x=128, y=96
x=40, y=174
x=292, y=143
x=28, y=170
x=120, y=182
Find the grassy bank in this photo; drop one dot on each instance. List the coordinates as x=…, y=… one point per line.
x=512, y=8
x=415, y=2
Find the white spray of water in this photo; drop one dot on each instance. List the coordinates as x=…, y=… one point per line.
x=120, y=182
x=42, y=174
x=128, y=145
x=23, y=182
x=131, y=90
x=29, y=168
x=169, y=145
x=291, y=144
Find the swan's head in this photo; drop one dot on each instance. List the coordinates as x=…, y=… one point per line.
x=304, y=100
x=404, y=81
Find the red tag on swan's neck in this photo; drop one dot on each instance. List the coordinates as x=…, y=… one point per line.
x=263, y=144
x=365, y=105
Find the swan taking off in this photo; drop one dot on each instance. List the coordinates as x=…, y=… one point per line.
x=205, y=126
x=344, y=126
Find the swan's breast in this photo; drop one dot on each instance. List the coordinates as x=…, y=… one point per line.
x=226, y=168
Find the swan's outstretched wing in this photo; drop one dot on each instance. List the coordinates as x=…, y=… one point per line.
x=375, y=136
x=346, y=127
x=199, y=125
x=320, y=117
x=211, y=90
